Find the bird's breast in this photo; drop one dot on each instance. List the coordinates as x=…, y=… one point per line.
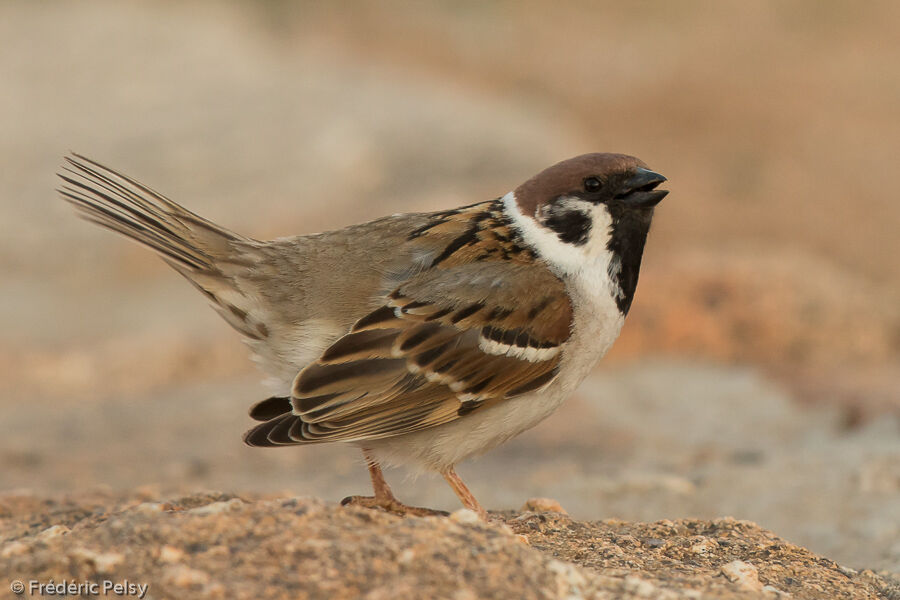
x=596, y=324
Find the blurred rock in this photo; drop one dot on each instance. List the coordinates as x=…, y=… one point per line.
x=543, y=505
x=278, y=547
x=827, y=332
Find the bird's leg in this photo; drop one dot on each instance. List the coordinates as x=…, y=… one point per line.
x=384, y=497
x=465, y=496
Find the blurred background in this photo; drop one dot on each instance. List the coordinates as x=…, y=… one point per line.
x=758, y=375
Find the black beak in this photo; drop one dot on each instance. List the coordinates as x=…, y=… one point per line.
x=640, y=190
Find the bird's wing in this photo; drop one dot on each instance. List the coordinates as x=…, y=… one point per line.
x=446, y=342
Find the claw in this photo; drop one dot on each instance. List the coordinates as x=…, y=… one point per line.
x=384, y=498
x=392, y=506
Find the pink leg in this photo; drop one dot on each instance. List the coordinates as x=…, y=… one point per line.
x=384, y=497
x=465, y=496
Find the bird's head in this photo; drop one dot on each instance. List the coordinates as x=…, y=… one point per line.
x=589, y=209
x=563, y=197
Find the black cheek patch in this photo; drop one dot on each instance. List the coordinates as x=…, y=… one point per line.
x=572, y=226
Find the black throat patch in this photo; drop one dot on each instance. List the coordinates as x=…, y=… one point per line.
x=629, y=234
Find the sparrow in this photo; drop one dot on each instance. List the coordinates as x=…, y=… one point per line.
x=421, y=338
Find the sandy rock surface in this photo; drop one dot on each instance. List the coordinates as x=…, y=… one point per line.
x=659, y=441
x=216, y=545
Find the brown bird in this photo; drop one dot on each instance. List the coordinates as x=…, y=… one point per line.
x=422, y=338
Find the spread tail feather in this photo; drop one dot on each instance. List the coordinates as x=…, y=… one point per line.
x=118, y=202
x=192, y=245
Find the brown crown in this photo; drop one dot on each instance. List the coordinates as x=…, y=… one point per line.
x=568, y=176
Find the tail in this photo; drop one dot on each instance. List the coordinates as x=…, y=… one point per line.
x=207, y=255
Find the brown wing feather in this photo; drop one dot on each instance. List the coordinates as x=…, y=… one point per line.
x=448, y=341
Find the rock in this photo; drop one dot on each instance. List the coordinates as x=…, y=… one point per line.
x=170, y=554
x=772, y=591
x=149, y=507
x=704, y=546
x=218, y=507
x=543, y=505
x=641, y=587
x=13, y=549
x=215, y=545
x=743, y=574
x=185, y=577
x=98, y=562
x=53, y=532
x=464, y=515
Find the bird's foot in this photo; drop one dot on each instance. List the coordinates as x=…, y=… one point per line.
x=392, y=505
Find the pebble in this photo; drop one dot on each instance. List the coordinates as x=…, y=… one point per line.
x=102, y=562
x=13, y=549
x=640, y=587
x=149, y=508
x=218, y=507
x=704, y=546
x=52, y=532
x=570, y=580
x=185, y=577
x=543, y=505
x=465, y=516
x=170, y=554
x=464, y=594
x=743, y=574
x=771, y=590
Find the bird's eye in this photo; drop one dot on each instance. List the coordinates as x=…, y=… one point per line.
x=592, y=184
